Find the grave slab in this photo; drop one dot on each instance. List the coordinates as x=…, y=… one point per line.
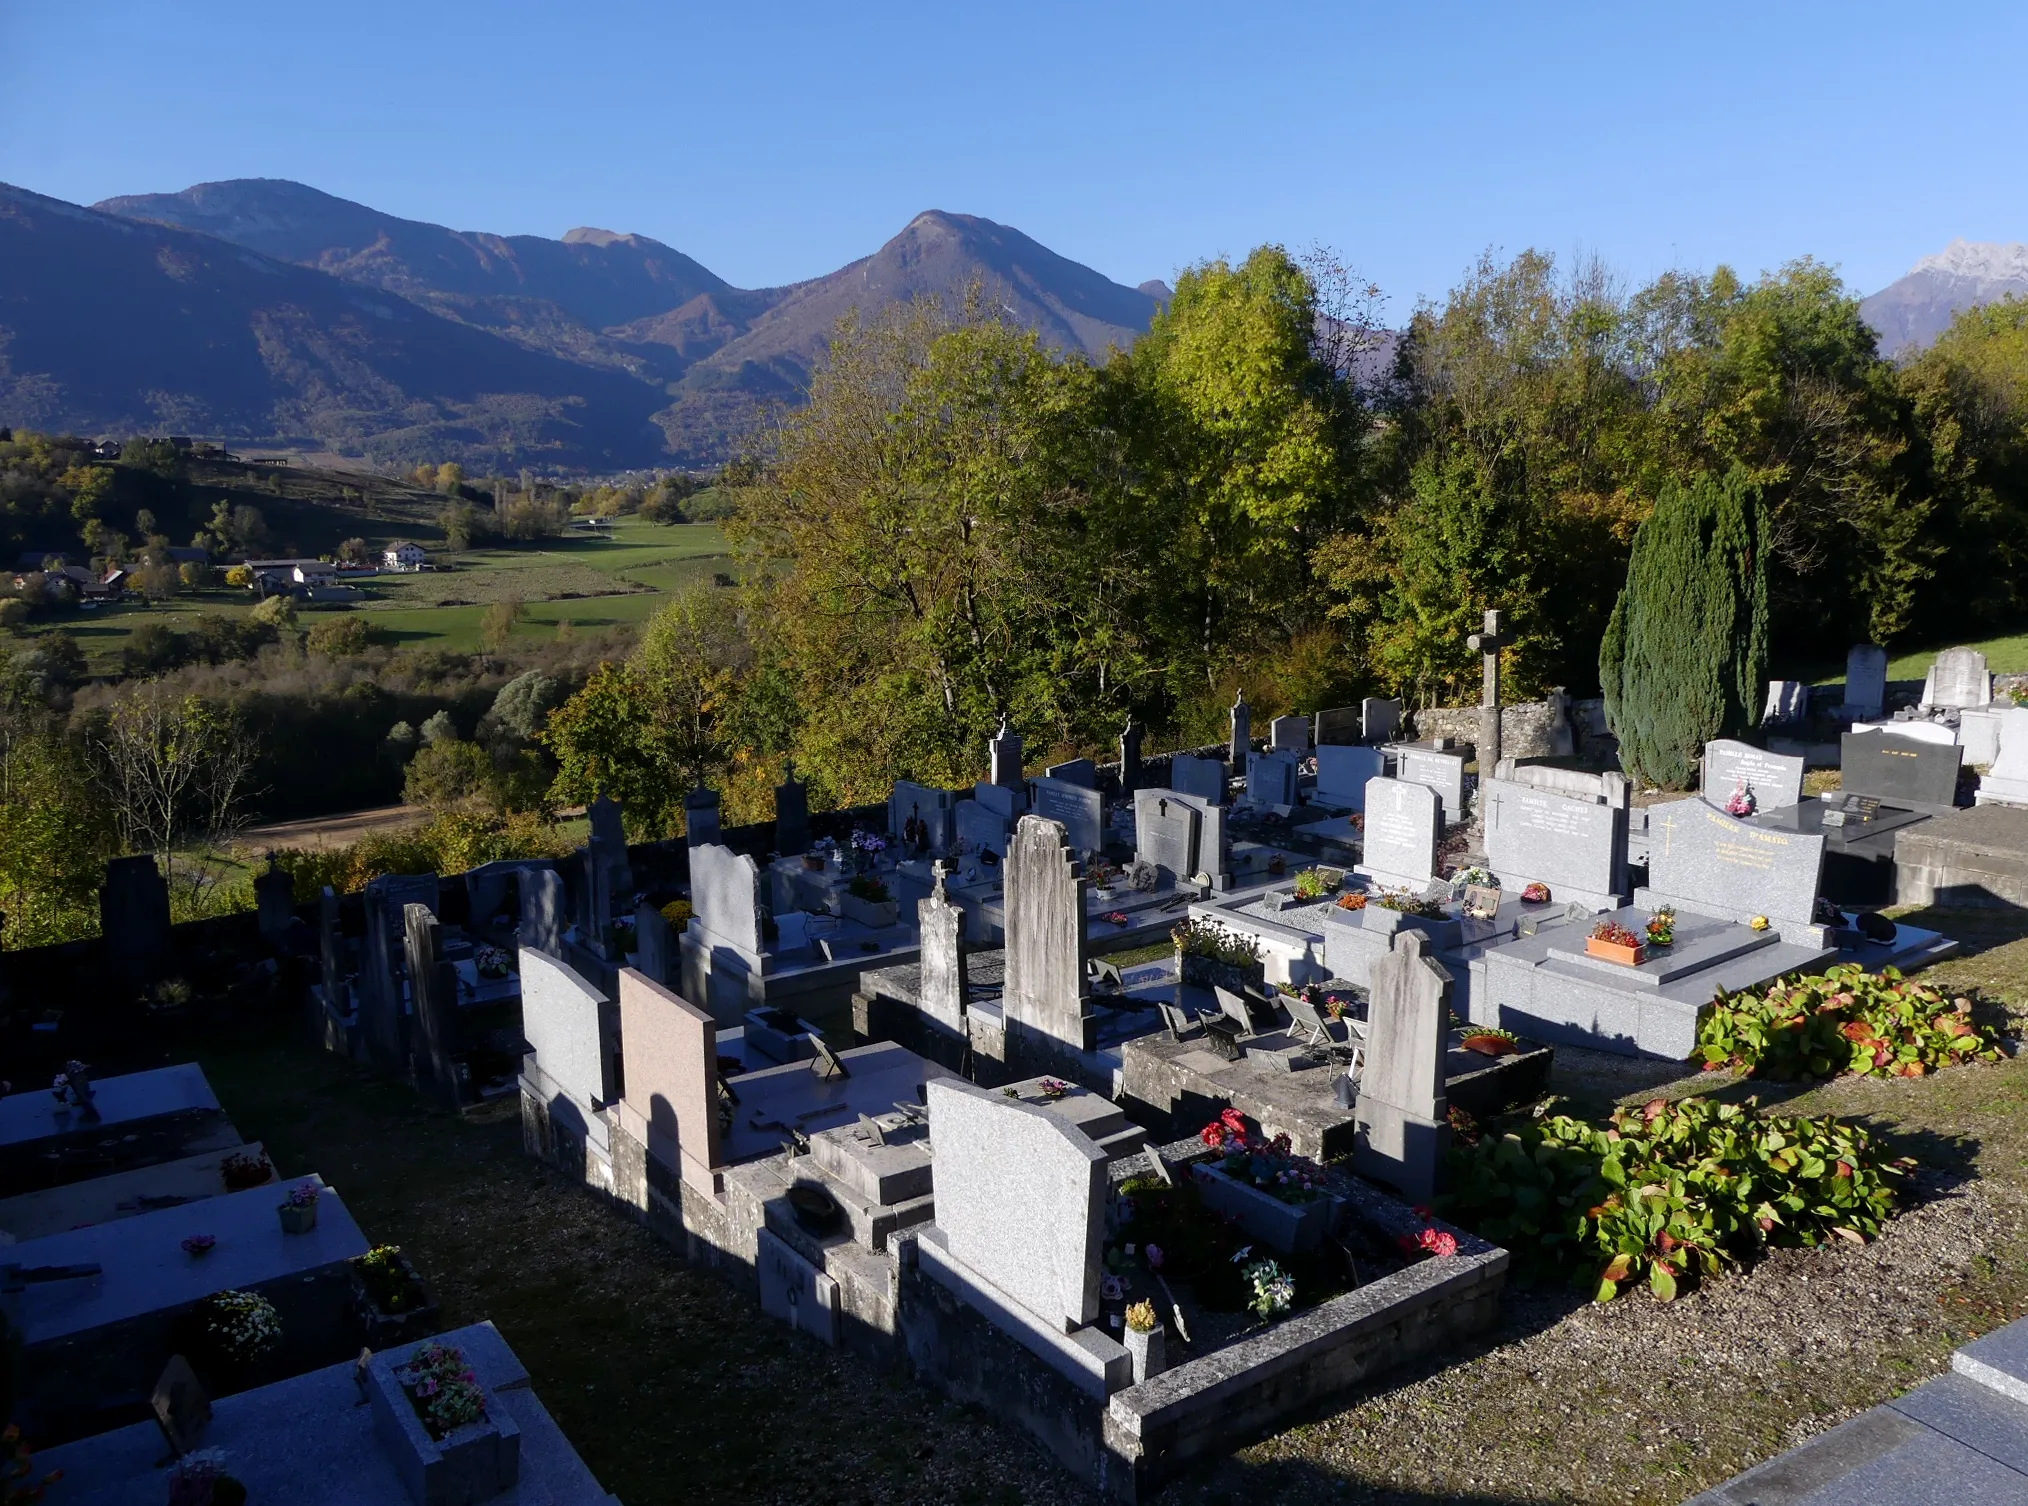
x=1705, y=862
x=1976, y=857
x=124, y=1194
x=135, y=1119
x=1896, y=769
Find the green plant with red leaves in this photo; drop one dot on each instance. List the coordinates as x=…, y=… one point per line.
x=1843, y=1020
x=1615, y=933
x=1668, y=1193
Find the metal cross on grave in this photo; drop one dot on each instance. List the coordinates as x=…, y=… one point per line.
x=1488, y=642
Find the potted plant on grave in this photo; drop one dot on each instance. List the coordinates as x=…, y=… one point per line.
x=867, y=900
x=1276, y=1196
x=234, y=1332
x=392, y=1303
x=240, y=1171
x=200, y=1478
x=1662, y=927
x=1209, y=954
x=1144, y=1340
x=492, y=962
x=1615, y=943
x=443, y=1431
x=298, y=1211
x=1315, y=883
x=867, y=846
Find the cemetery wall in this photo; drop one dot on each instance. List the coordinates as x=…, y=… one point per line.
x=1528, y=729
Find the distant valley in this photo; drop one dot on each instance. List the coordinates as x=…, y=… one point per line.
x=241, y=310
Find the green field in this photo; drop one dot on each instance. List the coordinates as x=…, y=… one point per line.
x=591, y=583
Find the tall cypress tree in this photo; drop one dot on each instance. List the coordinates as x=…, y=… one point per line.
x=1685, y=652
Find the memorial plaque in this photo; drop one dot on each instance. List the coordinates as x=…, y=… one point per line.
x=181, y=1405
x=1774, y=780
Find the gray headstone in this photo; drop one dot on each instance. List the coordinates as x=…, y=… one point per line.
x=568, y=1029
x=981, y=829
x=1788, y=702
x=1979, y=732
x=542, y=922
x=1342, y=773
x=1442, y=771
x=1716, y=865
x=700, y=823
x=1130, y=756
x=1005, y=753
x=1078, y=771
x=1865, y=680
x=606, y=824
x=1403, y=828
x=594, y=897
x=1775, y=780
x=1341, y=724
x=275, y=899
x=999, y=799
x=1076, y=807
x=383, y=1019
x=1289, y=734
x=1401, y=1116
x=1271, y=778
x=725, y=896
x=1202, y=777
x=134, y=909
x=433, y=993
x=933, y=807
x=331, y=946
x=1020, y=1199
x=1958, y=678
x=1046, y=990
x=1379, y=721
x=1575, y=844
x=1212, y=857
x=1166, y=832
x=943, y=989
x=1242, y=734
x=792, y=815
x=487, y=885
x=654, y=944
x=1899, y=770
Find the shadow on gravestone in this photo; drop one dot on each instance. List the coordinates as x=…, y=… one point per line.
x=1045, y=993
x=792, y=814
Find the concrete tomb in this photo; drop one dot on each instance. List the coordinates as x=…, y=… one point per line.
x=1342, y=773
x=1077, y=808
x=1289, y=734
x=1046, y=993
x=1771, y=780
x=1902, y=771
x=1401, y=1115
x=1020, y=1200
x=1379, y=721
x=1865, y=681
x=670, y=1106
x=1270, y=779
x=1404, y=825
x=1202, y=777
x=1558, y=827
x=1440, y=769
x=1958, y=678
x=927, y=812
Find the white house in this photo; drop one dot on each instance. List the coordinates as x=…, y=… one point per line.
x=403, y=556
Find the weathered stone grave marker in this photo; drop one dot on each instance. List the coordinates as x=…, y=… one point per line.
x=1401, y=1117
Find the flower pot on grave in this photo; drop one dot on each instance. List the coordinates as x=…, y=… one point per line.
x=1145, y=1350
x=1292, y=1228
x=469, y=1464
x=814, y=862
x=384, y=1328
x=1613, y=951
x=873, y=914
x=297, y=1218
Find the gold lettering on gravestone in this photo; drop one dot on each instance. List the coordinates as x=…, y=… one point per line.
x=1742, y=857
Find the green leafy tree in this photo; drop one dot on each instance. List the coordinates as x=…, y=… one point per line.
x=497, y=625
x=55, y=836
x=611, y=738
x=1685, y=651
x=523, y=705
x=338, y=637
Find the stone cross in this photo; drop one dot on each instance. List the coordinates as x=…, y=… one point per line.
x=941, y=924
x=1488, y=642
x=1242, y=733
x=1130, y=755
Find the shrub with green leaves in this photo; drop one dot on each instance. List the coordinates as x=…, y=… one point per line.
x=1843, y=1020
x=1668, y=1192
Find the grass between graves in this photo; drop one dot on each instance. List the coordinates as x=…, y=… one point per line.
x=673, y=1386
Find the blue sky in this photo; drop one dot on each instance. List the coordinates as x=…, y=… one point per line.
x=779, y=141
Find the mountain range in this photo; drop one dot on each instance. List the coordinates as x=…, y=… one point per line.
x=262, y=310
x=1912, y=311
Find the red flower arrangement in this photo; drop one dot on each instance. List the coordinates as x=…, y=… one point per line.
x=1612, y=931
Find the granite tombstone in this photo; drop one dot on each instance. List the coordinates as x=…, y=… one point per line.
x=1865, y=680
x=1899, y=770
x=1404, y=824
x=1076, y=807
x=1342, y=774
x=1772, y=781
